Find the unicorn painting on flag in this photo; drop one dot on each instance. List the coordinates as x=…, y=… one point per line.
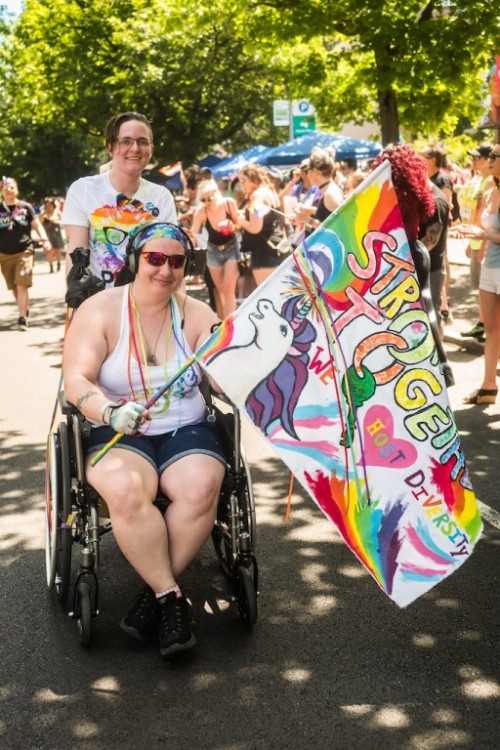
x=265, y=344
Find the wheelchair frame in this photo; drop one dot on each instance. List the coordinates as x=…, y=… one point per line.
x=72, y=518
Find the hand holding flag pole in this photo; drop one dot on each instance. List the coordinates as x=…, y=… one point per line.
x=154, y=398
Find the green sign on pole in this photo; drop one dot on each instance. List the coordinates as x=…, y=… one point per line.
x=303, y=116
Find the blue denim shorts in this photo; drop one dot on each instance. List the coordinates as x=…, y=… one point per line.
x=217, y=258
x=162, y=450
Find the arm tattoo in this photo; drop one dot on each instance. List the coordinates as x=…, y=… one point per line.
x=84, y=398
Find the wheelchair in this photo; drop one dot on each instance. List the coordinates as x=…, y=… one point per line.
x=76, y=517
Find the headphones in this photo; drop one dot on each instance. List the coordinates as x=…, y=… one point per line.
x=133, y=249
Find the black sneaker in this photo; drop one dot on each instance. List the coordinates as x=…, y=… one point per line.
x=476, y=332
x=142, y=620
x=22, y=324
x=175, y=630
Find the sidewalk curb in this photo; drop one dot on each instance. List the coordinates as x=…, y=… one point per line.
x=469, y=344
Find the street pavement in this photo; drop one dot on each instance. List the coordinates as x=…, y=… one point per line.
x=332, y=663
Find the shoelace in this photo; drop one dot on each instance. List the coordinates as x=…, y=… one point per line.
x=171, y=617
x=143, y=608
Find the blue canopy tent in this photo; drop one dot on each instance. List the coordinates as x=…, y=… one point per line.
x=174, y=183
x=210, y=161
x=235, y=163
x=293, y=152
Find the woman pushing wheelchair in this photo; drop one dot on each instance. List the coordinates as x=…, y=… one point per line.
x=123, y=345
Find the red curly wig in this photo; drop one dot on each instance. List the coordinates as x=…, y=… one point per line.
x=409, y=177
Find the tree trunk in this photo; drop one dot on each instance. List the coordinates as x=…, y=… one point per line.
x=389, y=120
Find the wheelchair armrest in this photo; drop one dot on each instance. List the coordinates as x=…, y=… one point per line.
x=67, y=408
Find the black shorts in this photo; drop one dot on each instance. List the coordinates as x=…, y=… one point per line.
x=162, y=450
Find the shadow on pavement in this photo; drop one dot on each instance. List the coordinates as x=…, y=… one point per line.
x=331, y=662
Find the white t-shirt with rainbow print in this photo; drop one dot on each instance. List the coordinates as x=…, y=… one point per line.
x=93, y=202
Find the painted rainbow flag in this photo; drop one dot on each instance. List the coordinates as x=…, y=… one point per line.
x=333, y=359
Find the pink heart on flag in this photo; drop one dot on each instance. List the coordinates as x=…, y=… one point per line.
x=381, y=447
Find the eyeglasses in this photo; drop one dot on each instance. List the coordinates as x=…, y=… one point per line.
x=492, y=157
x=127, y=142
x=113, y=235
x=159, y=259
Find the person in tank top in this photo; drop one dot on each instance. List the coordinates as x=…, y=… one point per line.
x=219, y=216
x=122, y=345
x=489, y=282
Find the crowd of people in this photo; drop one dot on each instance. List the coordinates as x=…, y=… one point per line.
x=125, y=341
x=249, y=223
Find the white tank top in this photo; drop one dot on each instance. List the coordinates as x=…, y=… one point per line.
x=181, y=405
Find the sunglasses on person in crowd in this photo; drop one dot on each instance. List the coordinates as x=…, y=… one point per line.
x=492, y=157
x=159, y=259
x=208, y=199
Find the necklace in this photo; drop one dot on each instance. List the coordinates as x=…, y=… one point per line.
x=151, y=358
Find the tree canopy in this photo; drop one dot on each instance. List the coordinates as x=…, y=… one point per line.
x=407, y=63
x=207, y=73
x=68, y=65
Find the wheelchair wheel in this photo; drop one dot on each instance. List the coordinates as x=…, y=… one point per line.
x=228, y=551
x=57, y=512
x=247, y=596
x=221, y=539
x=84, y=613
x=52, y=463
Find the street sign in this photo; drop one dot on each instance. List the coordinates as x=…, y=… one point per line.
x=281, y=112
x=304, y=117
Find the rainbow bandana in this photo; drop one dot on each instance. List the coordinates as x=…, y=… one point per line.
x=156, y=230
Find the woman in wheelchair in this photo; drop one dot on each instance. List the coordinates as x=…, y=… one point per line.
x=123, y=344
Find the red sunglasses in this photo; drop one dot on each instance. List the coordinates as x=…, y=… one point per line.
x=159, y=259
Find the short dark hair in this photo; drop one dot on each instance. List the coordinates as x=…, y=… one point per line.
x=436, y=152
x=114, y=124
x=323, y=160
x=191, y=176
